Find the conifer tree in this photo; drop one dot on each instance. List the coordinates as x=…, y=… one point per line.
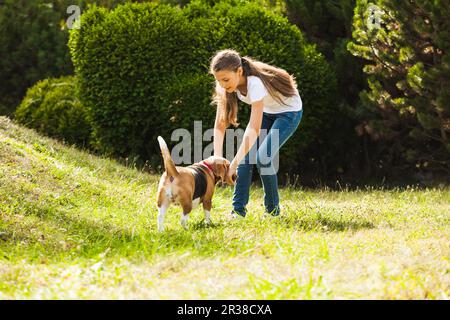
x=407, y=108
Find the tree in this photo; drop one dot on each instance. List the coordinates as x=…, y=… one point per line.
x=407, y=106
x=328, y=24
x=32, y=47
x=33, y=44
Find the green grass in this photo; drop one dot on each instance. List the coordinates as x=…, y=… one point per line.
x=76, y=226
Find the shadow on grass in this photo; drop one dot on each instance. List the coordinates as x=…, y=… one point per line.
x=323, y=223
x=56, y=235
x=54, y=231
x=202, y=225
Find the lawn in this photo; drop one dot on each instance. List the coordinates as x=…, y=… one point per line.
x=77, y=226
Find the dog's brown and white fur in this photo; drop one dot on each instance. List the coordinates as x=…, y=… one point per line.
x=177, y=185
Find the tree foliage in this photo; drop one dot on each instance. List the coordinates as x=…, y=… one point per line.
x=407, y=108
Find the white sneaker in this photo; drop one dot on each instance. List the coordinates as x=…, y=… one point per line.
x=235, y=216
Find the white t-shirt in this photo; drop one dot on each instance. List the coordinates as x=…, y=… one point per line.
x=257, y=91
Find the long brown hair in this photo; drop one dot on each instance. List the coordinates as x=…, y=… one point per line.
x=277, y=81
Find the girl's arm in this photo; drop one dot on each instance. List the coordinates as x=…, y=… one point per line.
x=251, y=133
x=219, y=132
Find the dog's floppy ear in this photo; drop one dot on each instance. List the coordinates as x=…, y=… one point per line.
x=223, y=170
x=219, y=169
x=221, y=166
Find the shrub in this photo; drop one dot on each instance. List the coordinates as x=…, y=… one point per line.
x=51, y=107
x=143, y=71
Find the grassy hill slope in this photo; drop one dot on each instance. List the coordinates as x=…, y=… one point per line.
x=73, y=225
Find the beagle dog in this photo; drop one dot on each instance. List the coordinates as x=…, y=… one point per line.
x=189, y=186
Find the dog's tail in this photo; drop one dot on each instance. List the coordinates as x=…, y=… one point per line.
x=169, y=165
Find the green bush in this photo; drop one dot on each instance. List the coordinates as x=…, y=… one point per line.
x=143, y=71
x=124, y=60
x=52, y=107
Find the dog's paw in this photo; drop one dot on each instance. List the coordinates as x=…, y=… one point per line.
x=184, y=221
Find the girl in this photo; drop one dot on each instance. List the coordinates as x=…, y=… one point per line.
x=275, y=106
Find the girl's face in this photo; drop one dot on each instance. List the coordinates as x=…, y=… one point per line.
x=229, y=80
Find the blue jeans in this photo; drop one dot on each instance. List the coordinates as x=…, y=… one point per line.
x=279, y=128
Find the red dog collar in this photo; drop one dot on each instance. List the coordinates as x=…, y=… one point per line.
x=208, y=166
